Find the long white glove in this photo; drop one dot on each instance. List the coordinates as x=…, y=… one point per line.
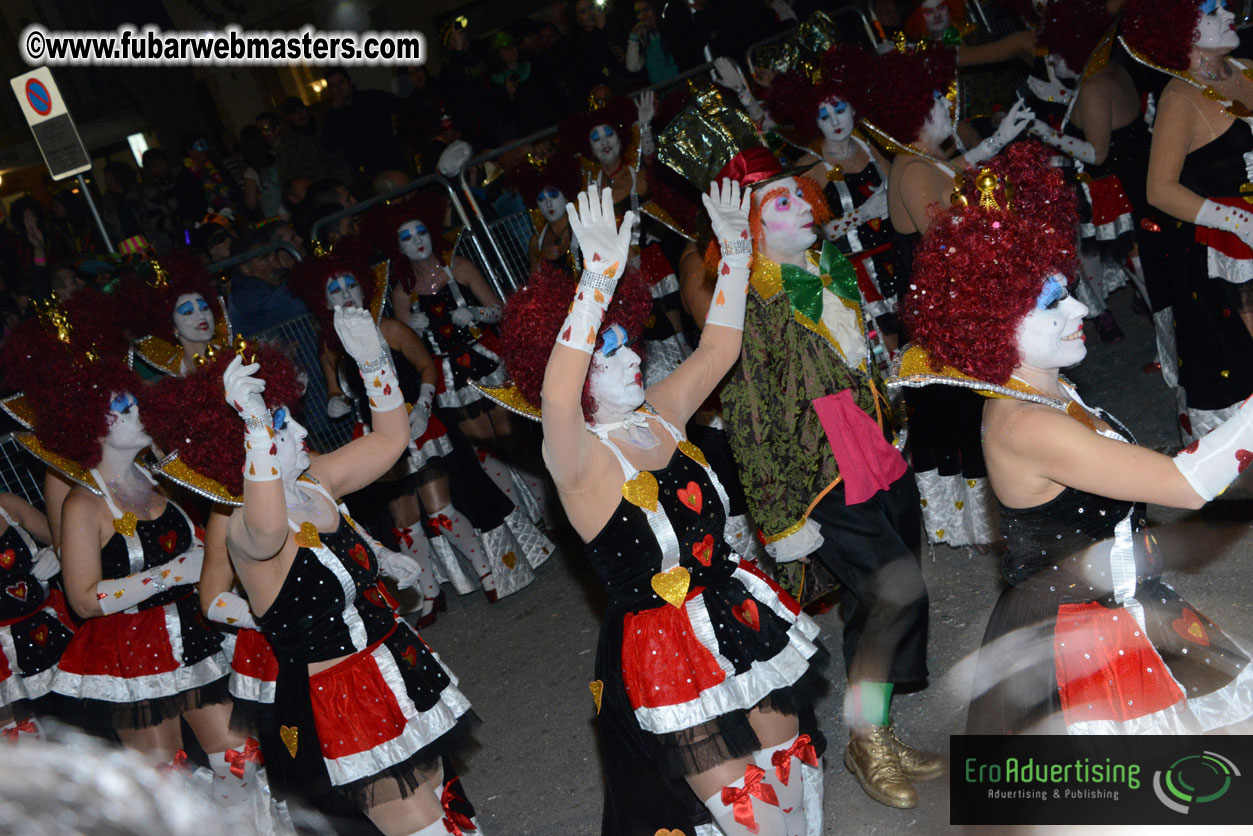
x=1018, y=118
x=117, y=594
x=404, y=570
x=337, y=407
x=1075, y=147
x=875, y=207
x=231, y=610
x=728, y=74
x=1213, y=462
x=363, y=342
x=1052, y=89
x=728, y=210
x=420, y=415
x=461, y=317
x=645, y=106
x=605, y=249
x=418, y=321
x=46, y=564
x=1229, y=218
x=243, y=391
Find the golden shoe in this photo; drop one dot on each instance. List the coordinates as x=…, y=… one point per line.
x=918, y=765
x=871, y=756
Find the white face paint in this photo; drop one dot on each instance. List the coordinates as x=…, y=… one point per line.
x=551, y=203
x=415, y=240
x=1051, y=336
x=835, y=120
x=787, y=218
x=126, y=431
x=615, y=382
x=606, y=145
x=1217, y=27
x=342, y=289
x=289, y=438
x=193, y=318
x=935, y=16
x=939, y=125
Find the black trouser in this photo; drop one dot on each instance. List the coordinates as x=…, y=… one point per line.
x=872, y=548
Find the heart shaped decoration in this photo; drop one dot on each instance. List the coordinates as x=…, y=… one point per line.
x=307, y=537
x=168, y=541
x=672, y=586
x=358, y=553
x=40, y=635
x=1189, y=626
x=410, y=655
x=704, y=550
x=437, y=309
x=875, y=223
x=721, y=299
x=374, y=597
x=960, y=505
x=19, y=590
x=565, y=335
x=746, y=613
x=970, y=483
x=125, y=524
x=7, y=558
x=598, y=689
x=726, y=269
x=290, y=735
x=464, y=361
x=1243, y=457
x=693, y=452
x=509, y=559
x=665, y=832
x=939, y=532
x=641, y=491
x=691, y=496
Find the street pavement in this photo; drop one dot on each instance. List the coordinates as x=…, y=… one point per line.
x=526, y=661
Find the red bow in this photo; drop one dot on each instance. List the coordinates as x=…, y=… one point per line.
x=403, y=536
x=238, y=760
x=441, y=520
x=180, y=758
x=454, y=822
x=28, y=726
x=803, y=748
x=740, y=798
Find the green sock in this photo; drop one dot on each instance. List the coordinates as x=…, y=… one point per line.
x=872, y=702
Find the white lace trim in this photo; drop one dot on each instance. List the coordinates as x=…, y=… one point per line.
x=1227, y=268
x=804, y=541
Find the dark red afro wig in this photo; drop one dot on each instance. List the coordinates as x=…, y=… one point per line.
x=535, y=312
x=1163, y=31
x=430, y=207
x=618, y=114
x=794, y=100
x=309, y=278
x=898, y=89
x=72, y=403
x=149, y=310
x=560, y=171
x=96, y=324
x=978, y=272
x=189, y=415
x=1072, y=29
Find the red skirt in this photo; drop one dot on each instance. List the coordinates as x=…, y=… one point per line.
x=254, y=668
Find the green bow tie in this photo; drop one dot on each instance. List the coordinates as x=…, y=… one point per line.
x=804, y=289
x=951, y=37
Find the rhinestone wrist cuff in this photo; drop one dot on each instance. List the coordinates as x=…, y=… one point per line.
x=259, y=423
x=598, y=281
x=740, y=246
x=376, y=365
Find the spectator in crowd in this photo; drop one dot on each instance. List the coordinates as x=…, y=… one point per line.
x=386, y=182
x=647, y=48
x=122, y=207
x=463, y=84
x=263, y=194
x=598, y=57
x=158, y=201
x=216, y=239
x=260, y=297
x=32, y=246
x=218, y=192
x=360, y=125
x=323, y=198
x=296, y=154
x=64, y=281
x=282, y=230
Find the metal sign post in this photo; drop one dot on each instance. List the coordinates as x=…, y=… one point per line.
x=55, y=133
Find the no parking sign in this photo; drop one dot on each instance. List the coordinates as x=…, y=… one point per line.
x=51, y=123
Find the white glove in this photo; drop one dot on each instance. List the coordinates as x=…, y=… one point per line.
x=461, y=317
x=1075, y=147
x=228, y=608
x=418, y=321
x=338, y=406
x=1248, y=166
x=118, y=594
x=362, y=340
x=243, y=391
x=606, y=247
x=728, y=74
x=876, y=206
x=1214, y=461
x=728, y=210
x=420, y=415
x=1052, y=89
x=46, y=564
x=404, y=570
x=645, y=106
x=1018, y=118
x=1229, y=218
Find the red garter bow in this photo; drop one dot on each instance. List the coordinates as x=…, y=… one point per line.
x=238, y=760
x=180, y=758
x=741, y=798
x=436, y=522
x=454, y=822
x=404, y=536
x=803, y=748
x=28, y=726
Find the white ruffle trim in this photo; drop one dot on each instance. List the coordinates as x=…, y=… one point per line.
x=18, y=686
x=432, y=448
x=422, y=728
x=1111, y=231
x=803, y=542
x=665, y=286
x=1221, y=266
x=957, y=512
x=251, y=689
x=155, y=686
x=743, y=691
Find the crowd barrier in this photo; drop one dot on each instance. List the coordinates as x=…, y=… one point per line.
x=20, y=472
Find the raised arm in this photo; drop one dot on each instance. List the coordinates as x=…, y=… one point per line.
x=605, y=248
x=683, y=391
x=259, y=530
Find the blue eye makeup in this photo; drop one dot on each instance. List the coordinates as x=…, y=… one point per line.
x=549, y=194
x=122, y=402
x=1054, y=292
x=405, y=234
x=202, y=304
x=614, y=338
x=1208, y=7
x=280, y=418
x=185, y=309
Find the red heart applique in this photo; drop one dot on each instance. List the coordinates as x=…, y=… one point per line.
x=464, y=361
x=358, y=554
x=565, y=335
x=387, y=389
x=726, y=269
x=40, y=634
x=7, y=558
x=17, y=590
x=445, y=330
x=1190, y=627
x=438, y=310
x=595, y=256
x=690, y=496
x=1185, y=422
x=375, y=597
x=411, y=656
x=744, y=233
x=1244, y=457
x=168, y=541
x=704, y=550
x=483, y=454
x=875, y=223
x=1192, y=448
x=747, y=613
x=273, y=449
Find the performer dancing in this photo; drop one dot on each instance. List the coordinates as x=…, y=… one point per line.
x=1087, y=638
x=700, y=668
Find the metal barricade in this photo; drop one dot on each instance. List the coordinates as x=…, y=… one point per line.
x=19, y=472
x=301, y=337
x=236, y=260
x=512, y=235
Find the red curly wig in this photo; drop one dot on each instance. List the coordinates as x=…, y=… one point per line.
x=96, y=324
x=897, y=89
x=1072, y=29
x=1163, y=31
x=309, y=279
x=560, y=171
x=535, y=312
x=618, y=113
x=430, y=207
x=978, y=272
x=916, y=27
x=150, y=310
x=72, y=401
x=190, y=414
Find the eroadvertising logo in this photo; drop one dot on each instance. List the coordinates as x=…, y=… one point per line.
x=1094, y=780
